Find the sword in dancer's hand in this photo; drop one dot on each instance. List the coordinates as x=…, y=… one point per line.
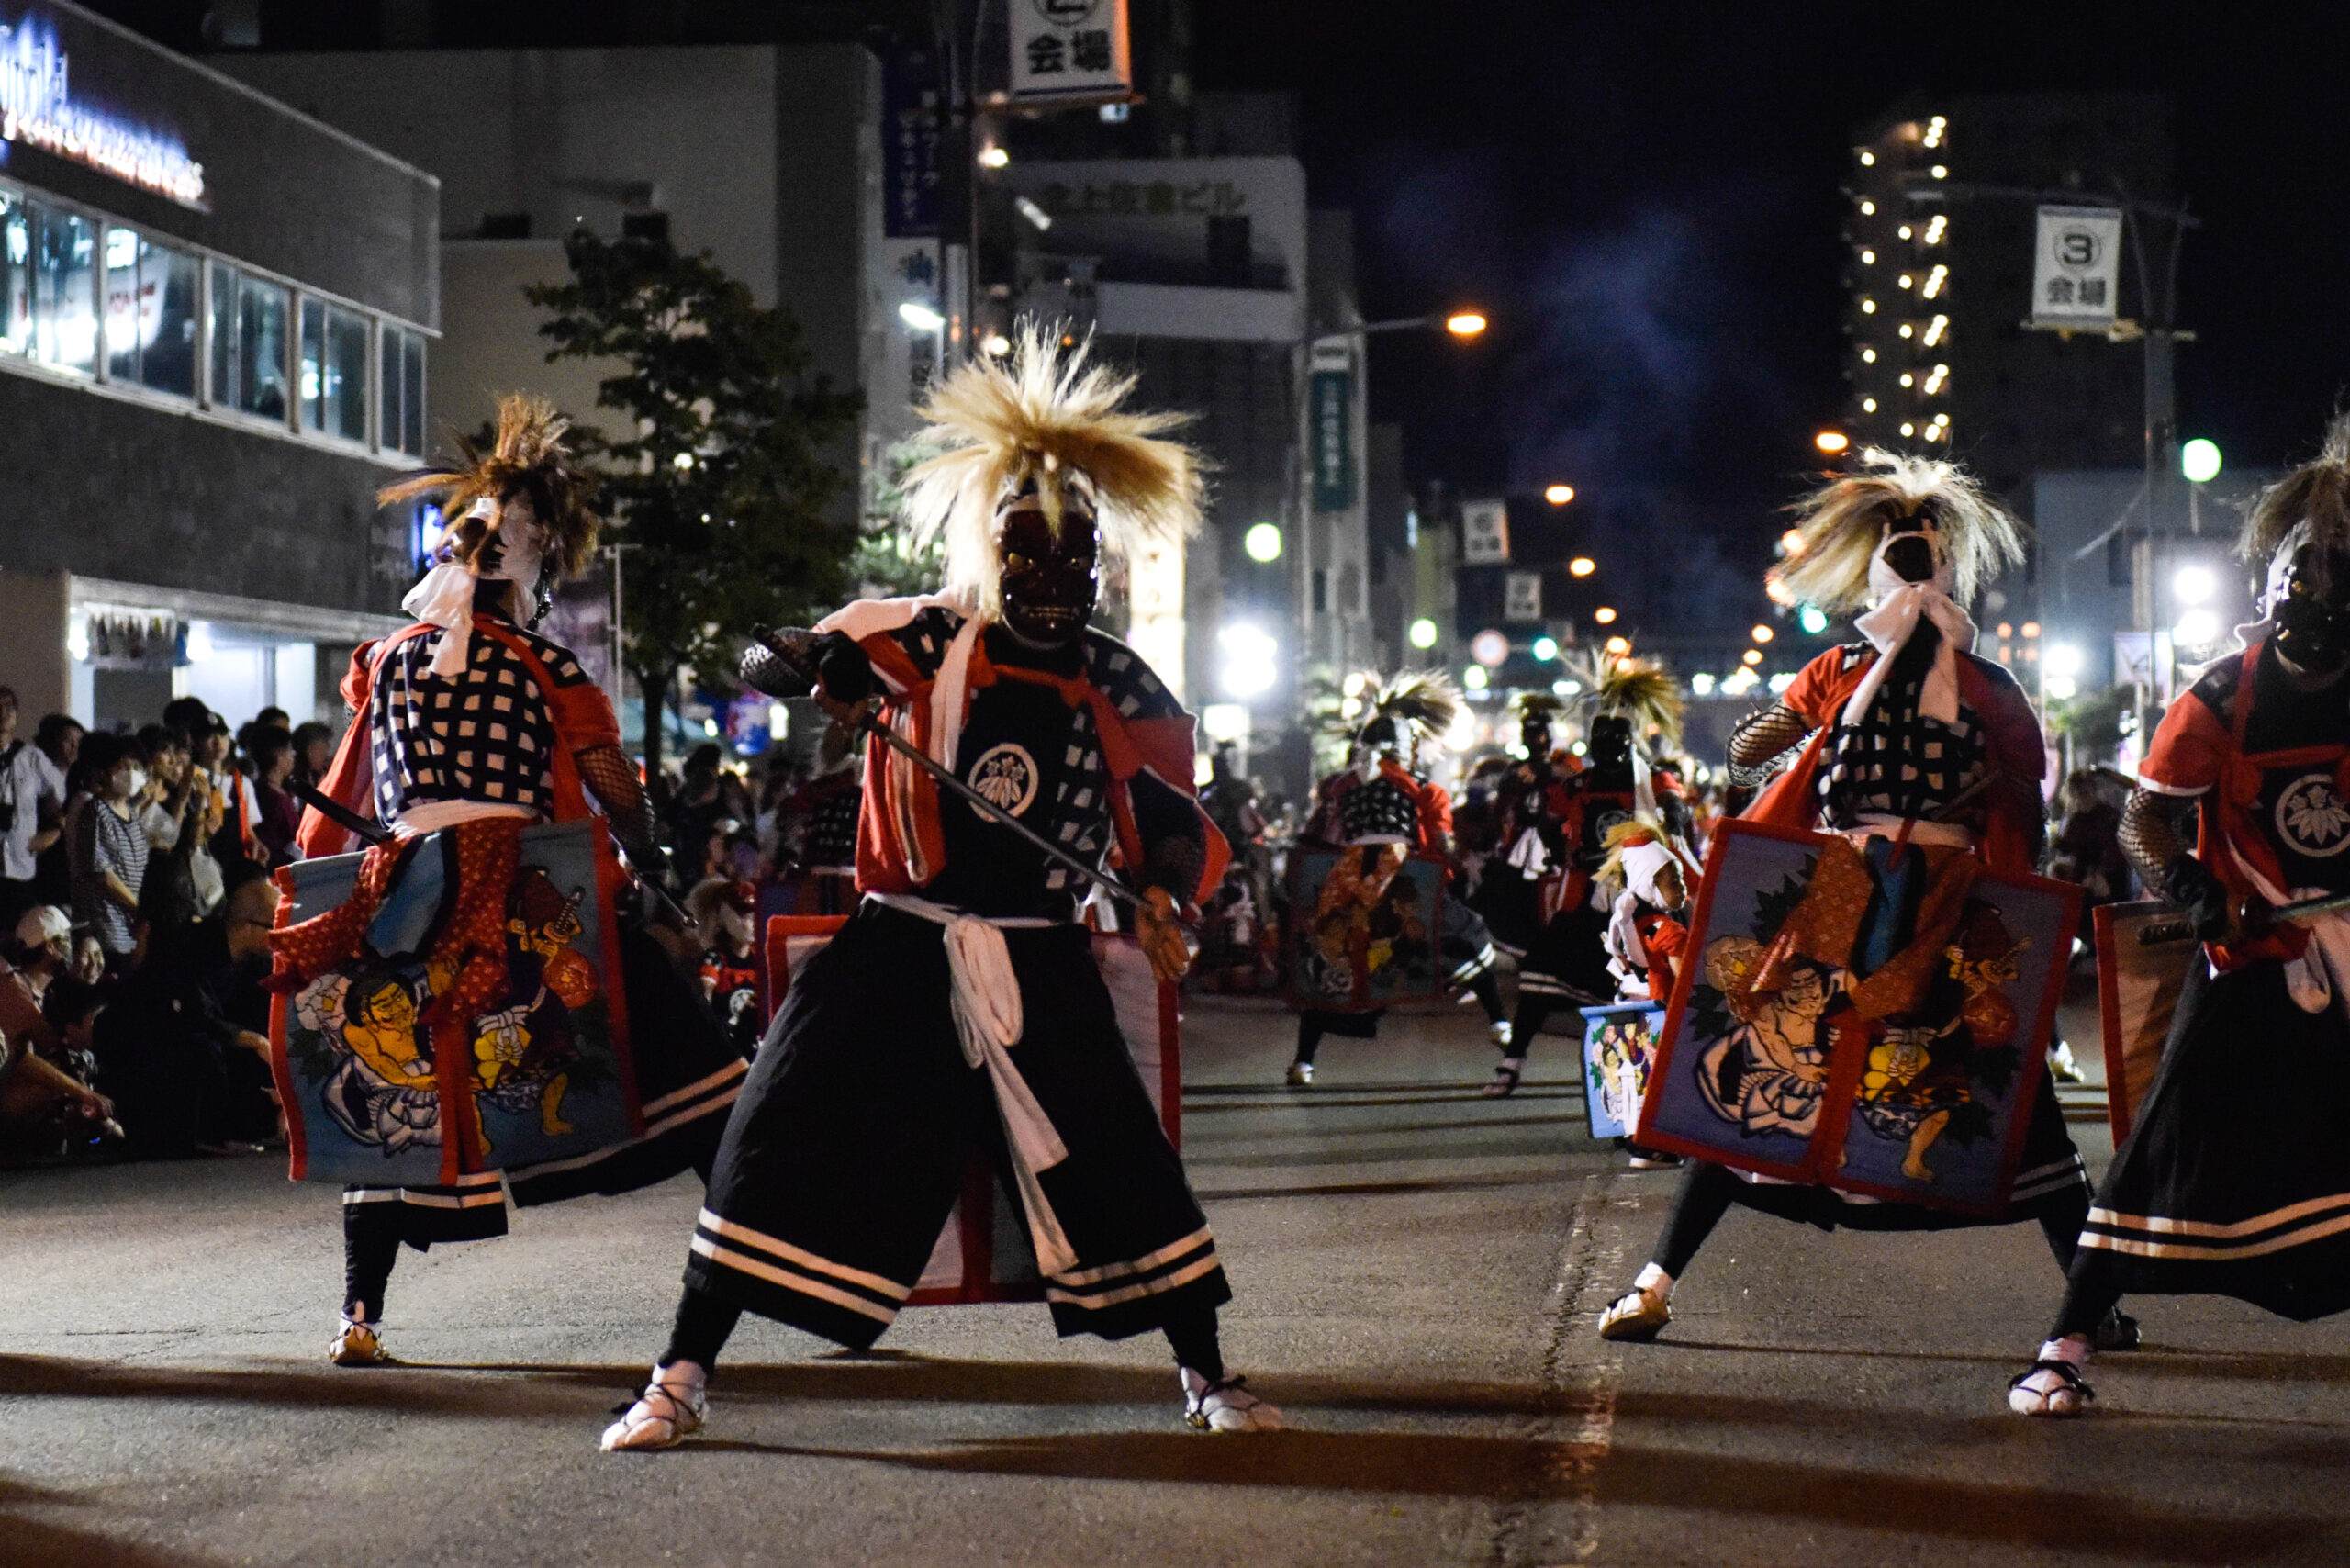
x=786, y=673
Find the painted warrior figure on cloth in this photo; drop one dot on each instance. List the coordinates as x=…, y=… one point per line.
x=1925, y=762
x=1647, y=935
x=470, y=728
x=2233, y=1181
x=1636, y=714
x=1379, y=812
x=960, y=1011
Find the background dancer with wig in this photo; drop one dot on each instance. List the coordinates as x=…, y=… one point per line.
x=1380, y=811
x=2234, y=1179
x=1928, y=759
x=1635, y=715
x=471, y=725
x=960, y=1008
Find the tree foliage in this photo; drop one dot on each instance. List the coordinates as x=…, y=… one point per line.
x=719, y=476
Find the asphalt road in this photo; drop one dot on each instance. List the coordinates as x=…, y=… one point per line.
x=1417, y=1271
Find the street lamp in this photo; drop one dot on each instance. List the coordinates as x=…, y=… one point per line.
x=1423, y=634
x=1605, y=614
x=1582, y=567
x=1263, y=543
x=1559, y=495
x=2199, y=460
x=1831, y=441
x=1464, y=323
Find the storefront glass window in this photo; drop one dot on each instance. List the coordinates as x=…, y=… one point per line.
x=150, y=314
x=65, y=307
x=412, y=395
x=334, y=370
x=224, y=336
x=261, y=326
x=16, y=275
x=402, y=399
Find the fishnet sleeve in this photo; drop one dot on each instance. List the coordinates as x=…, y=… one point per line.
x=1758, y=741
x=611, y=778
x=2149, y=836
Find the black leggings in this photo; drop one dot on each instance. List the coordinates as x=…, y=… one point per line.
x=371, y=1245
x=704, y=1324
x=1313, y=1023
x=1708, y=1190
x=2092, y=1290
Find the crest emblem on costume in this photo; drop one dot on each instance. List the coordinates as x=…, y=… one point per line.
x=2311, y=817
x=1006, y=775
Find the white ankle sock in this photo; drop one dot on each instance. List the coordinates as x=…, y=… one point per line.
x=1654, y=1281
x=682, y=1375
x=2072, y=1347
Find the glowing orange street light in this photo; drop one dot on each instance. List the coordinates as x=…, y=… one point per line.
x=1762, y=633
x=1619, y=646
x=1603, y=615
x=1464, y=323
x=1752, y=656
x=1831, y=441
x=1582, y=567
x=1559, y=495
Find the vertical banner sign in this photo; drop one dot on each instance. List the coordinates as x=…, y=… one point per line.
x=1522, y=596
x=1333, y=411
x=910, y=132
x=1069, y=51
x=2077, y=267
x=1484, y=533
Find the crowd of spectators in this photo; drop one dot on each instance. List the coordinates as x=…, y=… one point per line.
x=135, y=906
x=136, y=900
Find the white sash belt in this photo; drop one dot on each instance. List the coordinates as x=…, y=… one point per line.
x=989, y=1020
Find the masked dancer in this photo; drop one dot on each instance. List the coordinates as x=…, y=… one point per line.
x=1636, y=714
x=471, y=724
x=1928, y=759
x=960, y=1008
x=1382, y=810
x=2234, y=1179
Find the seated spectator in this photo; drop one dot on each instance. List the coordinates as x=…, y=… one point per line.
x=180, y=1047
x=46, y=1102
x=110, y=849
x=280, y=814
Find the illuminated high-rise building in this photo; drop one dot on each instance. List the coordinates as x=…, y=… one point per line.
x=1938, y=234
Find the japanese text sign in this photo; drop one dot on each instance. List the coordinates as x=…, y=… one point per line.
x=2076, y=267
x=1069, y=51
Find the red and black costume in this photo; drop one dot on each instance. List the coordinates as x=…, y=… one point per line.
x=849, y=1145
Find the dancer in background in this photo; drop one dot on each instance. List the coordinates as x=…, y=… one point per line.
x=1381, y=809
x=1636, y=716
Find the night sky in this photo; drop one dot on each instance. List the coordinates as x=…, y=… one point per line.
x=1645, y=198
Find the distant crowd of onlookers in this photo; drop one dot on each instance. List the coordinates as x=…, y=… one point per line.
x=135, y=906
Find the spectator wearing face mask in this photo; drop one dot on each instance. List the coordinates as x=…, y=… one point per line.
x=110, y=849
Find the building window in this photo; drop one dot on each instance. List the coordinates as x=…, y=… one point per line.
x=334, y=370
x=402, y=400
x=16, y=275
x=150, y=314
x=65, y=288
x=249, y=344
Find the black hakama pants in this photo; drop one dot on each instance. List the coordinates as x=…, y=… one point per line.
x=848, y=1149
x=687, y=1077
x=2235, y=1177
